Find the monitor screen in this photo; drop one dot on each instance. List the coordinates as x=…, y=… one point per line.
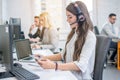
x=6, y=46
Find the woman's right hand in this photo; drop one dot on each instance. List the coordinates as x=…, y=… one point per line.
x=38, y=57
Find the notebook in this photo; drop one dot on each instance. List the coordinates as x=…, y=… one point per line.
x=23, y=50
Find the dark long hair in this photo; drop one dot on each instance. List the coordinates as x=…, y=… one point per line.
x=82, y=29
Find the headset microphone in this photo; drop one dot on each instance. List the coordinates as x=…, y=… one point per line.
x=73, y=22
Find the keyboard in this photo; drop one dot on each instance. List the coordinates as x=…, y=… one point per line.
x=23, y=74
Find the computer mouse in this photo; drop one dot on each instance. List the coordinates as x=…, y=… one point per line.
x=17, y=65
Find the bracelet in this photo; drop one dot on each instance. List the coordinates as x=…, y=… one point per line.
x=56, y=66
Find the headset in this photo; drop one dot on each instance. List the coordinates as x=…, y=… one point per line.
x=80, y=15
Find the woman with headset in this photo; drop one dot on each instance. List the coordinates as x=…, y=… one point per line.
x=79, y=52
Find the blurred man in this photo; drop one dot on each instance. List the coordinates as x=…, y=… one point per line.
x=34, y=31
x=110, y=30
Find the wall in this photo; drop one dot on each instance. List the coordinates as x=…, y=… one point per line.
x=102, y=8
x=0, y=11
x=25, y=10
x=20, y=9
x=4, y=11
x=54, y=7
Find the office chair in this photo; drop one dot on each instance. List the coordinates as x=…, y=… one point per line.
x=96, y=31
x=111, y=52
x=22, y=35
x=102, y=47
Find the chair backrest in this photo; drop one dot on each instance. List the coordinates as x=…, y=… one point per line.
x=96, y=31
x=102, y=47
x=22, y=35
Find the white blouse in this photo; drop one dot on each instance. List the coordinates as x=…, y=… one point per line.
x=87, y=56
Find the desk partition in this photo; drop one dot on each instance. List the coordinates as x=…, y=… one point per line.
x=118, y=56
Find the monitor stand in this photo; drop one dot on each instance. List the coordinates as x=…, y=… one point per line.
x=5, y=75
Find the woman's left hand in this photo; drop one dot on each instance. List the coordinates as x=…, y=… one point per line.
x=46, y=63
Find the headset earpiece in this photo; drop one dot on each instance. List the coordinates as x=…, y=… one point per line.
x=81, y=18
x=80, y=15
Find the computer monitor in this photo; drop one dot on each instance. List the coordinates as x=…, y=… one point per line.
x=16, y=31
x=6, y=49
x=6, y=46
x=15, y=21
x=23, y=48
x=16, y=27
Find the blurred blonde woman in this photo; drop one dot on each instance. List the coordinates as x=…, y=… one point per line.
x=48, y=36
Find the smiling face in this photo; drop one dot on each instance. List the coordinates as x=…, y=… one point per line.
x=71, y=19
x=42, y=20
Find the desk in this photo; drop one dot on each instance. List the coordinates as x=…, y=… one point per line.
x=118, y=56
x=48, y=74
x=42, y=52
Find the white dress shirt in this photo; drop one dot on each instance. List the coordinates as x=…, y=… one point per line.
x=87, y=56
x=111, y=31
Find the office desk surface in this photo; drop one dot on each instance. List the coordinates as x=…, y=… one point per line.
x=42, y=52
x=118, y=55
x=48, y=74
